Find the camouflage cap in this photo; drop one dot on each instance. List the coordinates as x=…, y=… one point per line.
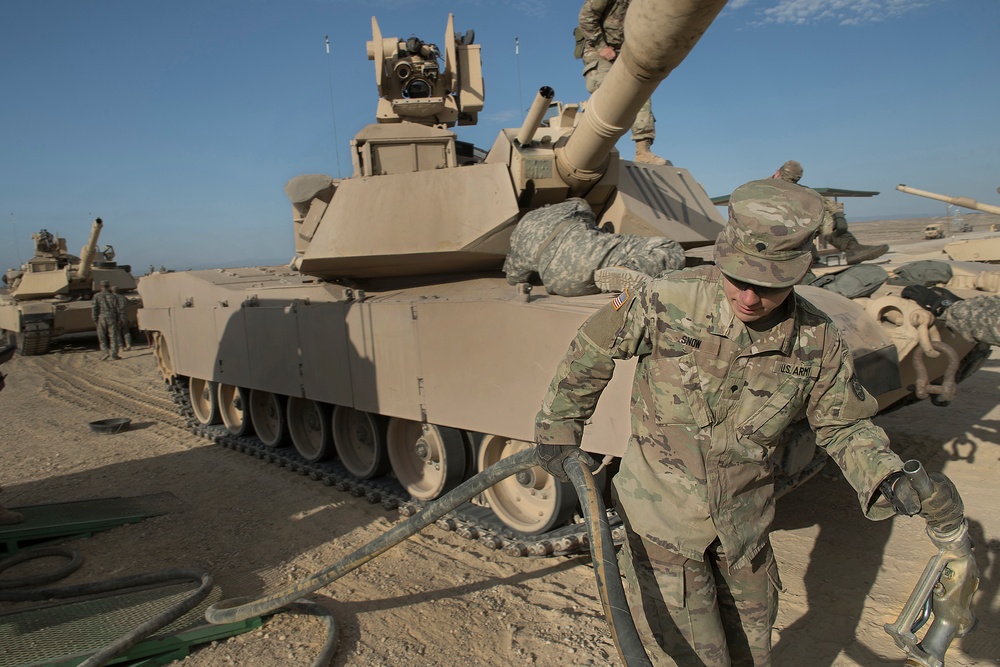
x=105, y=283
x=768, y=239
x=791, y=171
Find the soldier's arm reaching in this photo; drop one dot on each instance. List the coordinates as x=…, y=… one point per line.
x=617, y=331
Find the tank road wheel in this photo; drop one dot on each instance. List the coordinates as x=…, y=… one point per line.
x=162, y=355
x=531, y=501
x=360, y=441
x=233, y=406
x=310, y=428
x=204, y=401
x=428, y=460
x=267, y=412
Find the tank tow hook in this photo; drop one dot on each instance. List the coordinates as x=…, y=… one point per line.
x=944, y=591
x=945, y=391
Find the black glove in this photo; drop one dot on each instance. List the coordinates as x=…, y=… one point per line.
x=552, y=457
x=933, y=299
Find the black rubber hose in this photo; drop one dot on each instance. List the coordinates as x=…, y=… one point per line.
x=602, y=552
x=137, y=634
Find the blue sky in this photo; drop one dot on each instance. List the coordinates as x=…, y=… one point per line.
x=180, y=122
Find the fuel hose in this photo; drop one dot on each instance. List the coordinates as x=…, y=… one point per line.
x=602, y=551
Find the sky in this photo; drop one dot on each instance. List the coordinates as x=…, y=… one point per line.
x=179, y=123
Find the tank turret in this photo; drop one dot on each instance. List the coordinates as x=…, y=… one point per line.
x=964, y=202
x=417, y=205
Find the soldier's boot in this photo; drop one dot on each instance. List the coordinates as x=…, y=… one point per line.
x=8, y=517
x=645, y=155
x=617, y=279
x=856, y=252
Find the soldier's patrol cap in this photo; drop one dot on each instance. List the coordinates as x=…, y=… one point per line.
x=791, y=171
x=768, y=239
x=105, y=283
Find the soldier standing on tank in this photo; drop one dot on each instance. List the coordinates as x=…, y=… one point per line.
x=106, y=313
x=729, y=355
x=124, y=333
x=602, y=24
x=833, y=230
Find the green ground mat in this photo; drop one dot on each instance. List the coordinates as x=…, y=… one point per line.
x=66, y=634
x=44, y=523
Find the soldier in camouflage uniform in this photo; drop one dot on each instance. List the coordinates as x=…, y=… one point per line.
x=602, y=23
x=124, y=332
x=729, y=355
x=563, y=246
x=833, y=229
x=107, y=314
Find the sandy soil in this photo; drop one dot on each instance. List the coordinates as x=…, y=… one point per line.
x=437, y=599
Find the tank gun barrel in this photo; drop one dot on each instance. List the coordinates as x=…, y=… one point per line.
x=964, y=202
x=87, y=253
x=659, y=34
x=535, y=115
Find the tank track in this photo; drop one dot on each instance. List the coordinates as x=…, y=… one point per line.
x=34, y=338
x=469, y=521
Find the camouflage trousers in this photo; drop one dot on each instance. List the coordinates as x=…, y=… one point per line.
x=644, y=125
x=699, y=614
x=976, y=319
x=124, y=334
x=108, y=335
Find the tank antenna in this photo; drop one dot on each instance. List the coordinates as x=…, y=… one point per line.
x=517, y=59
x=333, y=114
x=17, y=248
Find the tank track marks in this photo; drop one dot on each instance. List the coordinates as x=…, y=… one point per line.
x=34, y=338
x=469, y=521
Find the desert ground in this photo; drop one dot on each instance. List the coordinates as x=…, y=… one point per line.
x=440, y=600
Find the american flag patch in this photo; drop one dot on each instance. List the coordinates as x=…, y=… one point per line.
x=620, y=299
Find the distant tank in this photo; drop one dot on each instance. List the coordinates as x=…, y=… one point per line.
x=393, y=355
x=50, y=294
x=977, y=250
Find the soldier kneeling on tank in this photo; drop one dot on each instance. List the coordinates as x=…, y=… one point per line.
x=561, y=245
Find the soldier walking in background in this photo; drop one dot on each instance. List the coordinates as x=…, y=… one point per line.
x=728, y=356
x=124, y=333
x=107, y=314
x=602, y=29
x=833, y=229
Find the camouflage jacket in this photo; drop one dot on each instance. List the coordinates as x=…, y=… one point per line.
x=105, y=304
x=709, y=404
x=603, y=24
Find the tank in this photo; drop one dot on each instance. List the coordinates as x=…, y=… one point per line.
x=392, y=359
x=50, y=295
x=970, y=250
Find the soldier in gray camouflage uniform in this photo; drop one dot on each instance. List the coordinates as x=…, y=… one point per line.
x=106, y=313
x=833, y=229
x=729, y=355
x=124, y=333
x=602, y=23
x=563, y=246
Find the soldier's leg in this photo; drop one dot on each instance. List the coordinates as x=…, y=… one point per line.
x=102, y=335
x=644, y=126
x=674, y=606
x=594, y=77
x=748, y=605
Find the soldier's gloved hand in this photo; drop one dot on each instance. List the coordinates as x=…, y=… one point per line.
x=898, y=490
x=944, y=509
x=552, y=458
x=936, y=300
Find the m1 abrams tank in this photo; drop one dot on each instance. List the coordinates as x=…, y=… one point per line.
x=393, y=355
x=50, y=294
x=969, y=250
